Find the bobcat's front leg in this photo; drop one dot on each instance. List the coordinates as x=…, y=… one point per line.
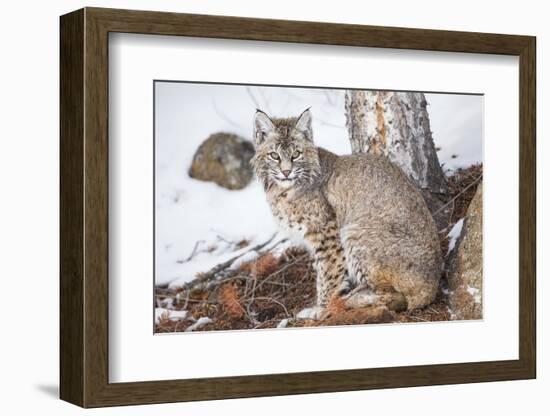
x=329, y=262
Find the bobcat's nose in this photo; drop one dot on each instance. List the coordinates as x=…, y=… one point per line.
x=286, y=173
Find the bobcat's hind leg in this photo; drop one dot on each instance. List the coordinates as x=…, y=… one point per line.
x=373, y=283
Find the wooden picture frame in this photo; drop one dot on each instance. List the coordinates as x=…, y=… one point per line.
x=84, y=207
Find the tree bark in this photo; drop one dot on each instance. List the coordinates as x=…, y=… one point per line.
x=396, y=124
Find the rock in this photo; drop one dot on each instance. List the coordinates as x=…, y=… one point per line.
x=465, y=264
x=223, y=158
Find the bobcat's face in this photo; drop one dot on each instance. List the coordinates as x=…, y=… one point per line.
x=285, y=153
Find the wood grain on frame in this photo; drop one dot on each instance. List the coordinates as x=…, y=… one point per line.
x=84, y=207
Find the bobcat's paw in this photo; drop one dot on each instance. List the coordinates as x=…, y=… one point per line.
x=314, y=313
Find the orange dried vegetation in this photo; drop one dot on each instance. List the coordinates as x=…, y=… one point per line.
x=229, y=299
x=265, y=265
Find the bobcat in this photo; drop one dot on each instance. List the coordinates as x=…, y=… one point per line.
x=366, y=225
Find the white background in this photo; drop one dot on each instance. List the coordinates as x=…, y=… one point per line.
x=135, y=355
x=29, y=212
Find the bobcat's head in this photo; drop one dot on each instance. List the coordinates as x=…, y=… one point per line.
x=285, y=153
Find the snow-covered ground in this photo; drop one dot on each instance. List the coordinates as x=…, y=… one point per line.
x=199, y=224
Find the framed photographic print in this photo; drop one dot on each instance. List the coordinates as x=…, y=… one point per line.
x=256, y=207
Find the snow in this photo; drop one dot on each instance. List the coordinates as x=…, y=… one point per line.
x=283, y=323
x=159, y=312
x=167, y=303
x=170, y=314
x=475, y=293
x=199, y=224
x=454, y=234
x=199, y=324
x=310, y=313
x=204, y=261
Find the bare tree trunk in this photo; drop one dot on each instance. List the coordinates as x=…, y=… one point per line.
x=397, y=125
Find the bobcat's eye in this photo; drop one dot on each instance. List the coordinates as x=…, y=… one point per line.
x=274, y=156
x=296, y=155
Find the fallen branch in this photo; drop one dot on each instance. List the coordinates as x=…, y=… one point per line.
x=214, y=271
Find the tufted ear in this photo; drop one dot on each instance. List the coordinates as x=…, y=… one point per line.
x=262, y=127
x=303, y=124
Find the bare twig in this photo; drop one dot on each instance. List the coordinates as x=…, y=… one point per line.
x=209, y=302
x=417, y=318
x=225, y=240
x=433, y=310
x=186, y=300
x=452, y=212
x=283, y=240
x=254, y=283
x=193, y=253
